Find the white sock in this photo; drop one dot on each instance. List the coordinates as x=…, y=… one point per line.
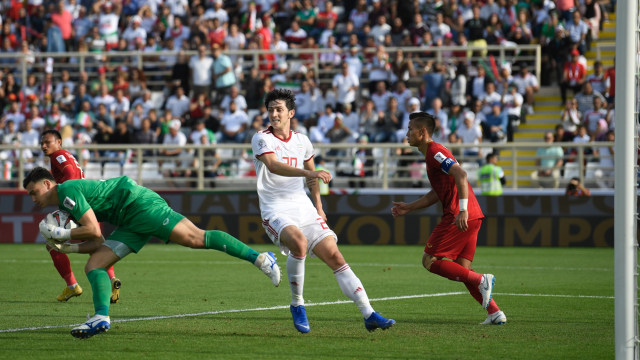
x=353, y=289
x=71, y=287
x=295, y=273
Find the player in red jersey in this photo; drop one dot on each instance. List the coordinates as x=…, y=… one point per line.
x=65, y=167
x=456, y=235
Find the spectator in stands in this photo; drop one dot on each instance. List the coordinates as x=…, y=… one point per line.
x=145, y=100
x=233, y=125
x=381, y=96
x=201, y=66
x=13, y=112
x=610, y=83
x=345, y=85
x=582, y=137
x=574, y=75
x=389, y=122
x=64, y=81
x=368, y=119
x=402, y=94
x=145, y=135
x=121, y=106
x=317, y=133
x=103, y=114
x=330, y=60
x=108, y=23
x=359, y=15
x=495, y=125
x=470, y=133
x=571, y=117
x=475, y=28
x=577, y=31
x=339, y=133
x=178, y=32
x=379, y=68
x=593, y=116
x=441, y=131
x=380, y=29
x=223, y=74
x=585, y=98
x=512, y=103
x=66, y=101
x=402, y=67
x=363, y=163
x=137, y=84
x=174, y=142
x=354, y=60
x=178, y=103
x=605, y=173
x=527, y=85
x=134, y=33
x=122, y=135
x=295, y=36
x=104, y=97
x=561, y=135
x=234, y=96
x=351, y=120
x=596, y=79
x=549, y=162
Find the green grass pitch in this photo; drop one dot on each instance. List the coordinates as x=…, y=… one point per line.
x=178, y=303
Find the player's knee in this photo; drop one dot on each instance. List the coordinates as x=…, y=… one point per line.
x=427, y=261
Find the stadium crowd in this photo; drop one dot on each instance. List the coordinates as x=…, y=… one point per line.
x=361, y=93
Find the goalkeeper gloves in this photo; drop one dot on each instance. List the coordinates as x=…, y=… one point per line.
x=62, y=247
x=52, y=232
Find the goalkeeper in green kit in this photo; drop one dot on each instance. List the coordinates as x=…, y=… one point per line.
x=139, y=213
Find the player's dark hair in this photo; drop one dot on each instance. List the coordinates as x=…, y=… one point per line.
x=53, y=132
x=491, y=156
x=425, y=120
x=38, y=174
x=281, y=94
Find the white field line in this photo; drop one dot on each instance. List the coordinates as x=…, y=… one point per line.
x=317, y=263
x=280, y=307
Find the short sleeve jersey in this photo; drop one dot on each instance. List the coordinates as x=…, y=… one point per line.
x=108, y=198
x=294, y=151
x=65, y=167
x=439, y=160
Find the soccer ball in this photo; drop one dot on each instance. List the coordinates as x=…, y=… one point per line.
x=61, y=218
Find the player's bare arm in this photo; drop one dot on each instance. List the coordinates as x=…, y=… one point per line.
x=88, y=230
x=282, y=169
x=314, y=189
x=460, y=177
x=401, y=208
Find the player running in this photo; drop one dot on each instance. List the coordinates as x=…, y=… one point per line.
x=290, y=219
x=65, y=167
x=456, y=235
x=139, y=214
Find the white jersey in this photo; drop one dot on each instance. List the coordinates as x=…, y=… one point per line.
x=275, y=191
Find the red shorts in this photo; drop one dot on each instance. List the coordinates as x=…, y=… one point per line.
x=447, y=241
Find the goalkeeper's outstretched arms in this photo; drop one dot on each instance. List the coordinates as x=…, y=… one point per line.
x=88, y=230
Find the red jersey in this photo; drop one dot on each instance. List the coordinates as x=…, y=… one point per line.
x=65, y=167
x=439, y=160
x=575, y=71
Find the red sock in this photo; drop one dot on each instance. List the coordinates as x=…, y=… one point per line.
x=473, y=290
x=111, y=273
x=454, y=271
x=62, y=264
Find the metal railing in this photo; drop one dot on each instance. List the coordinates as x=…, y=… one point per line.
x=383, y=166
x=86, y=60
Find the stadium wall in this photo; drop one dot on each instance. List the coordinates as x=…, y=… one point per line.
x=537, y=220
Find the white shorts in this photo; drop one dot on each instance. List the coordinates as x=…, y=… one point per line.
x=305, y=218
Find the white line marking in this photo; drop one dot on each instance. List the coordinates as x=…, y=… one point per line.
x=280, y=307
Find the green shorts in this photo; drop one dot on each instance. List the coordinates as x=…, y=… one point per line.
x=148, y=216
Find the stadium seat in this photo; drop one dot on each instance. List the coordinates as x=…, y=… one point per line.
x=111, y=170
x=571, y=170
x=130, y=170
x=151, y=171
x=471, y=167
x=93, y=171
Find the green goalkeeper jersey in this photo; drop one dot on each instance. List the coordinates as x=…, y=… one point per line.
x=109, y=199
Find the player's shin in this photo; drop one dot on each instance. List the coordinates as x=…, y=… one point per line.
x=295, y=274
x=353, y=289
x=101, y=286
x=221, y=241
x=62, y=264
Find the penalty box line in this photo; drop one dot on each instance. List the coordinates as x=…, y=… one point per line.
x=280, y=307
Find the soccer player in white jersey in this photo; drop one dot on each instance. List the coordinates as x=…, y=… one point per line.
x=293, y=221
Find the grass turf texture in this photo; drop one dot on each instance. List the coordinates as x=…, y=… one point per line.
x=559, y=305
